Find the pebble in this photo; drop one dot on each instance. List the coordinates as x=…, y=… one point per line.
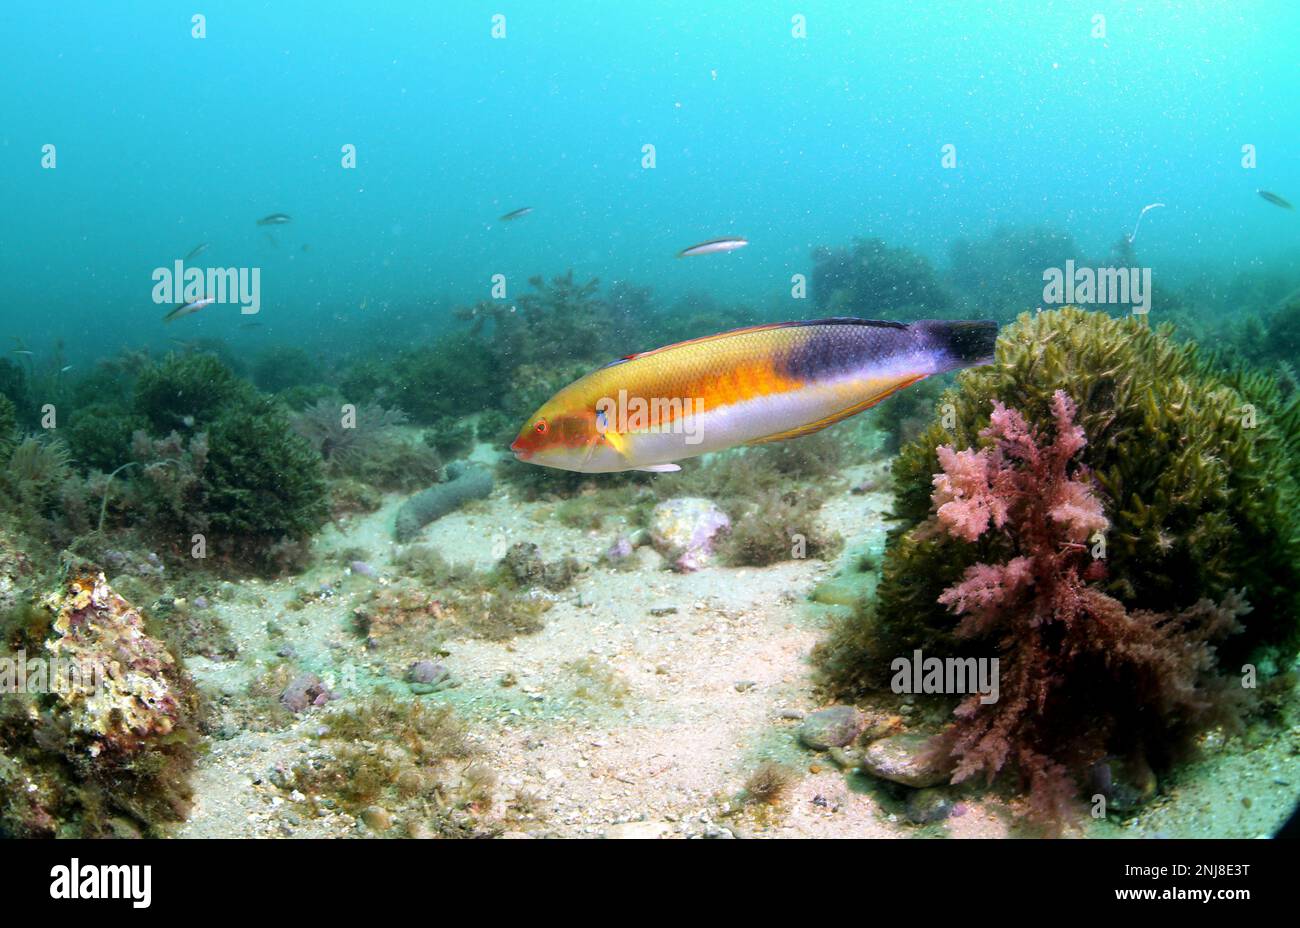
x=427, y=671
x=926, y=806
x=901, y=759
x=304, y=691
x=833, y=727
x=377, y=818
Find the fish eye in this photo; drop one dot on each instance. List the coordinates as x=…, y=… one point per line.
x=541, y=426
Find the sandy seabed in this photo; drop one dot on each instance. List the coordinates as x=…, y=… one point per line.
x=712, y=672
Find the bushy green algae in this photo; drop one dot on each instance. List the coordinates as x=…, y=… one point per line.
x=1197, y=468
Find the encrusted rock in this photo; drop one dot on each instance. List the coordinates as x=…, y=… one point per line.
x=304, y=691
x=103, y=743
x=524, y=565
x=133, y=696
x=685, y=530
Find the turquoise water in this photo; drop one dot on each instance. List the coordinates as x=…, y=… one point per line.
x=165, y=141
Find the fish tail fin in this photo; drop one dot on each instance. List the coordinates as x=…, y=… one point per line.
x=967, y=343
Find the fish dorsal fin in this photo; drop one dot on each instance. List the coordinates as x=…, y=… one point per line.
x=762, y=327
x=835, y=416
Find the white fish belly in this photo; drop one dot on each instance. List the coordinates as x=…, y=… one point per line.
x=754, y=419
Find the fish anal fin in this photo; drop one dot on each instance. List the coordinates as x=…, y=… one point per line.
x=660, y=468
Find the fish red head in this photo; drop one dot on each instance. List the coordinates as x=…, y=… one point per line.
x=565, y=434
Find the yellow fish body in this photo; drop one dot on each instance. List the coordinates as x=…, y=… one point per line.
x=762, y=383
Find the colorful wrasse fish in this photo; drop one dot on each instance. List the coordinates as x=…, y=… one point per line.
x=762, y=383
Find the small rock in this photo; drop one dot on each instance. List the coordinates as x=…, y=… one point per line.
x=427, y=672
x=685, y=529
x=905, y=759
x=833, y=727
x=377, y=818
x=928, y=805
x=620, y=550
x=848, y=760
x=303, y=691
x=649, y=560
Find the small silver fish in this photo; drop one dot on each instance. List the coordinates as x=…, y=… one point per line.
x=714, y=246
x=275, y=219
x=186, y=309
x=1275, y=199
x=196, y=251
x=516, y=213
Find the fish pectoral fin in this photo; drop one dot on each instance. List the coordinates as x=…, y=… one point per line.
x=616, y=441
x=834, y=417
x=660, y=468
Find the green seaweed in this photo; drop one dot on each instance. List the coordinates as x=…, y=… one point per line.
x=186, y=391
x=1197, y=470
x=262, y=481
x=99, y=435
